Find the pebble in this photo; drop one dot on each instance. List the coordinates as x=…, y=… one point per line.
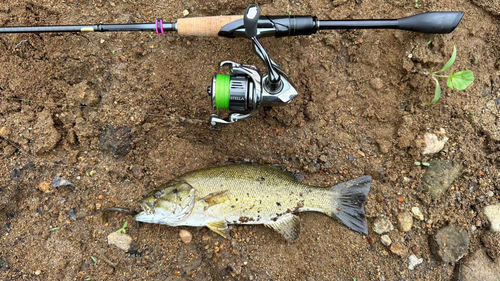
x=376, y=83
x=398, y=249
x=405, y=221
x=491, y=242
x=120, y=240
x=417, y=214
x=490, y=193
x=185, y=13
x=450, y=244
x=414, y=261
x=9, y=150
x=186, y=236
x=492, y=212
x=478, y=266
x=386, y=240
x=44, y=186
x=433, y=144
x=38, y=272
x=439, y=176
x=382, y=225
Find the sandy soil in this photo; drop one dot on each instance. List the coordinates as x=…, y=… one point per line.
x=144, y=122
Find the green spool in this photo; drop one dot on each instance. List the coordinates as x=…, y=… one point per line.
x=222, y=91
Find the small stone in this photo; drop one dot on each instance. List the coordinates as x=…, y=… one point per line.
x=417, y=214
x=405, y=221
x=450, y=244
x=9, y=150
x=376, y=83
x=185, y=13
x=186, y=236
x=398, y=249
x=492, y=212
x=479, y=267
x=102, y=41
x=120, y=240
x=382, y=225
x=491, y=241
x=439, y=177
x=433, y=144
x=414, y=261
x=44, y=186
x=38, y=272
x=490, y=193
x=5, y=132
x=386, y=240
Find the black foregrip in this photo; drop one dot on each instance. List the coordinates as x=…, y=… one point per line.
x=282, y=26
x=432, y=22
x=293, y=25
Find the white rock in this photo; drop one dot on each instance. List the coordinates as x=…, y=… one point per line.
x=386, y=240
x=492, y=212
x=120, y=240
x=382, y=225
x=186, y=236
x=433, y=144
x=185, y=13
x=414, y=261
x=416, y=213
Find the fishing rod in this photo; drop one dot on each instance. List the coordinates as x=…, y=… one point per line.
x=246, y=89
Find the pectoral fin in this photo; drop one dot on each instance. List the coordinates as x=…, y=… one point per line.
x=219, y=227
x=215, y=198
x=287, y=225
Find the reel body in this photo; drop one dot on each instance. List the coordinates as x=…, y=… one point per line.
x=245, y=90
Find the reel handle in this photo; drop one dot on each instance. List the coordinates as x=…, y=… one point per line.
x=250, y=20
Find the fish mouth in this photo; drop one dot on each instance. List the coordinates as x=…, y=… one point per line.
x=147, y=208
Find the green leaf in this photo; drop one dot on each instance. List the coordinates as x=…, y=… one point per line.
x=417, y=163
x=451, y=61
x=123, y=230
x=427, y=164
x=462, y=80
x=437, y=93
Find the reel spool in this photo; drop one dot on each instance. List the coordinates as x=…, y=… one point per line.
x=232, y=92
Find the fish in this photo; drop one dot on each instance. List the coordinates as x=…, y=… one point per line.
x=252, y=194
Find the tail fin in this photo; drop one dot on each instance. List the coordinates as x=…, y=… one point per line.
x=349, y=199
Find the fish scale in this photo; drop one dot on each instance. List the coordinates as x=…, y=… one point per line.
x=252, y=194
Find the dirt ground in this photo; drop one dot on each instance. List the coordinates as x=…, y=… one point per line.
x=144, y=122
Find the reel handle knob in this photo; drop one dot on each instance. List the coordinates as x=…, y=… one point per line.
x=250, y=20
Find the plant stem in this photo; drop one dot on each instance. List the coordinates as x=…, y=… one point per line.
x=442, y=76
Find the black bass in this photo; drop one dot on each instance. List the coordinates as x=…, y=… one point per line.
x=251, y=194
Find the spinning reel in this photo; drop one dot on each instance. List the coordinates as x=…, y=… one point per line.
x=245, y=89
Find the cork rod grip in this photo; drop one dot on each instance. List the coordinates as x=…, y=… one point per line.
x=204, y=26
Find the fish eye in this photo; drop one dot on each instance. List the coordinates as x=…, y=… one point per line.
x=175, y=191
x=158, y=194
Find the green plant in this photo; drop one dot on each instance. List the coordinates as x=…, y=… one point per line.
x=123, y=228
x=423, y=164
x=459, y=80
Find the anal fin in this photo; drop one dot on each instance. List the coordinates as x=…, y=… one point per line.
x=287, y=225
x=219, y=227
